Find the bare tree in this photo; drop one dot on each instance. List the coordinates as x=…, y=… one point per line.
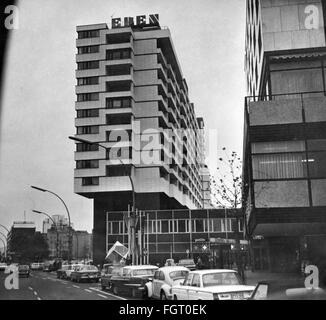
x=226, y=188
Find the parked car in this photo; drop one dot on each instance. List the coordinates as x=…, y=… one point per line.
x=3, y=266
x=85, y=273
x=169, y=262
x=132, y=280
x=37, y=266
x=188, y=263
x=70, y=270
x=212, y=284
x=164, y=279
x=107, y=272
x=23, y=270
x=268, y=291
x=61, y=273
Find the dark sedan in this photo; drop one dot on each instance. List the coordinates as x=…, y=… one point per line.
x=23, y=271
x=85, y=273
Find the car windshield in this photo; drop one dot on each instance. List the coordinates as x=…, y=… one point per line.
x=88, y=268
x=187, y=261
x=23, y=267
x=178, y=274
x=220, y=279
x=144, y=272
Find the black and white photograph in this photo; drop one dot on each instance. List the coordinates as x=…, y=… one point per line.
x=162, y=150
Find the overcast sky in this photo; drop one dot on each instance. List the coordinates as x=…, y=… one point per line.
x=39, y=93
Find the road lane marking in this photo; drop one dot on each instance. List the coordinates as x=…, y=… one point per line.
x=88, y=290
x=30, y=288
x=108, y=294
x=76, y=286
x=35, y=293
x=102, y=296
x=38, y=298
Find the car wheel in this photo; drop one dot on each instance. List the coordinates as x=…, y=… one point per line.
x=163, y=295
x=103, y=287
x=115, y=290
x=175, y=297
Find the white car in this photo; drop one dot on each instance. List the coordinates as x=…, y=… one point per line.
x=212, y=284
x=164, y=279
x=71, y=268
x=37, y=266
x=3, y=266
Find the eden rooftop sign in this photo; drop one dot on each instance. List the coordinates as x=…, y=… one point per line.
x=140, y=21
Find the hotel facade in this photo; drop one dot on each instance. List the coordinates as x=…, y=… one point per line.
x=133, y=105
x=284, y=174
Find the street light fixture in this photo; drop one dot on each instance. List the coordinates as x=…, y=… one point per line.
x=69, y=237
x=1, y=225
x=134, y=219
x=56, y=229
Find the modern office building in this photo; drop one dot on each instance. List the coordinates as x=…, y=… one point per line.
x=133, y=100
x=284, y=194
x=211, y=234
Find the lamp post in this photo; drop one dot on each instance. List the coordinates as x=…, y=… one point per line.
x=56, y=229
x=134, y=260
x=69, y=232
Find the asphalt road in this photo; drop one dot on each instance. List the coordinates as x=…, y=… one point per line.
x=45, y=286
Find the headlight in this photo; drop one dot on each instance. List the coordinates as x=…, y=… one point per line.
x=247, y=294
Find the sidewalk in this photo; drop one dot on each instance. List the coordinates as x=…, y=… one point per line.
x=279, y=279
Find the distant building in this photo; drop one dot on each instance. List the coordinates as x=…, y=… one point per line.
x=60, y=221
x=59, y=245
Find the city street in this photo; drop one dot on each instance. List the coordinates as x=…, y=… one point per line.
x=45, y=286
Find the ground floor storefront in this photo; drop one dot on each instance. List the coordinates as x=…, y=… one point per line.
x=287, y=254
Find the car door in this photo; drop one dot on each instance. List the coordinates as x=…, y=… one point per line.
x=182, y=291
x=156, y=279
x=193, y=291
x=158, y=284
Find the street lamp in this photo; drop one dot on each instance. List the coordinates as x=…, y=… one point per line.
x=133, y=224
x=1, y=225
x=69, y=235
x=56, y=229
x=104, y=147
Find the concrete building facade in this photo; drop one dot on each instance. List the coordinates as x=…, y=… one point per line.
x=132, y=99
x=285, y=134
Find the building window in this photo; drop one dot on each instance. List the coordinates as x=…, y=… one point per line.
x=199, y=225
x=85, y=147
x=164, y=226
x=87, y=81
x=87, y=164
x=116, y=103
x=88, y=49
x=116, y=86
x=118, y=54
x=118, y=135
x=118, y=70
x=215, y=225
x=88, y=130
x=317, y=164
x=118, y=119
x=85, y=65
x=82, y=97
x=118, y=38
x=279, y=166
x=90, y=181
x=278, y=147
x=119, y=153
x=118, y=170
x=88, y=34
x=87, y=113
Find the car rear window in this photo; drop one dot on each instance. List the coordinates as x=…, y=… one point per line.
x=144, y=272
x=179, y=274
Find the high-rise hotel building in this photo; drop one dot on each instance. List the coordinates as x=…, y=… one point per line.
x=284, y=172
x=133, y=100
